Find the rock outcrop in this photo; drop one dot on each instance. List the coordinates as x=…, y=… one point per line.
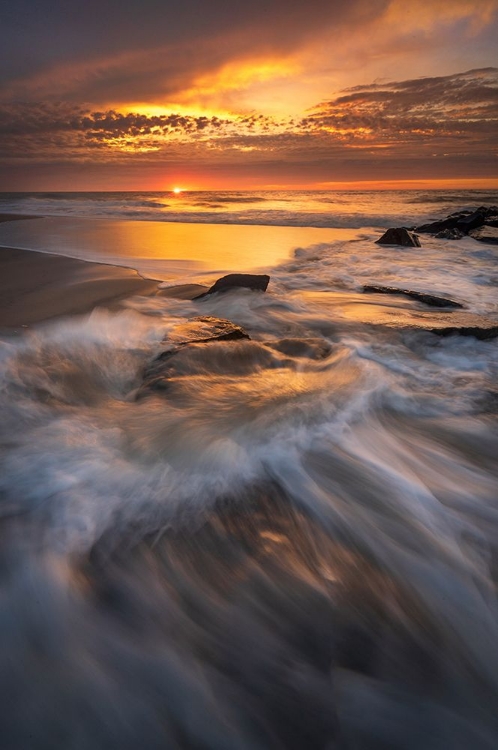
x=464, y=223
x=399, y=236
x=442, y=324
x=256, y=282
x=201, y=330
x=428, y=299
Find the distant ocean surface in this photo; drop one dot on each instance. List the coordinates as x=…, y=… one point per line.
x=287, y=542
x=284, y=208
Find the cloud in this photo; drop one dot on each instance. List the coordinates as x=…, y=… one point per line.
x=104, y=51
x=451, y=108
x=445, y=125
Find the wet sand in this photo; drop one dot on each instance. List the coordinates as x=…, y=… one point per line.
x=38, y=286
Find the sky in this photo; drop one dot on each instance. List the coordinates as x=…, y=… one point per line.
x=274, y=94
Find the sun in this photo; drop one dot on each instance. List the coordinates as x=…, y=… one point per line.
x=177, y=190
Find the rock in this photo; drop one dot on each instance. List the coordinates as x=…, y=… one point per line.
x=437, y=226
x=463, y=221
x=472, y=221
x=399, y=236
x=201, y=330
x=483, y=329
x=256, y=282
x=428, y=299
x=450, y=234
x=485, y=233
x=444, y=324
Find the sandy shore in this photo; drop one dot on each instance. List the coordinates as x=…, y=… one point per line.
x=35, y=287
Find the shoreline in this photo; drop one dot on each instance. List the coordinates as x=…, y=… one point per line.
x=37, y=287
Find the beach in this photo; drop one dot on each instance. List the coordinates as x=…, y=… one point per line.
x=254, y=519
x=37, y=287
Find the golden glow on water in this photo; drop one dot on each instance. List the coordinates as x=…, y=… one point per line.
x=166, y=250
x=213, y=247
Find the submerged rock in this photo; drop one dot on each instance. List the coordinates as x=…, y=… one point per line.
x=205, y=328
x=450, y=234
x=399, y=236
x=309, y=348
x=201, y=330
x=485, y=233
x=445, y=324
x=428, y=299
x=256, y=282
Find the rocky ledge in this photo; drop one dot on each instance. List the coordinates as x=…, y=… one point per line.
x=201, y=330
x=480, y=224
x=428, y=299
x=443, y=324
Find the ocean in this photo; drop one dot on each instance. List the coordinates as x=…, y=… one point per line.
x=292, y=542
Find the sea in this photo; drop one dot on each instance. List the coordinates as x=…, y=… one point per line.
x=291, y=541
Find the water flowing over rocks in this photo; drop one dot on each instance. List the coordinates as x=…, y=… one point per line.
x=256, y=282
x=399, y=236
x=270, y=529
x=197, y=331
x=428, y=299
x=445, y=324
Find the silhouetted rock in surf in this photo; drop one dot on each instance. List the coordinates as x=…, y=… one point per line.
x=428, y=299
x=256, y=282
x=462, y=221
x=399, y=236
x=472, y=221
x=437, y=226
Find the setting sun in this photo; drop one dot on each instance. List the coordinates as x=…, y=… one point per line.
x=177, y=190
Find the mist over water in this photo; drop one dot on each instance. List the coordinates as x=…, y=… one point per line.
x=292, y=544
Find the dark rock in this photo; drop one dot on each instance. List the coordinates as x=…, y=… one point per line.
x=437, y=226
x=485, y=233
x=256, y=282
x=450, y=234
x=399, y=236
x=463, y=221
x=444, y=324
x=428, y=299
x=472, y=221
x=492, y=220
x=482, y=330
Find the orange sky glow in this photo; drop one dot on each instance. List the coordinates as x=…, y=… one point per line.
x=294, y=95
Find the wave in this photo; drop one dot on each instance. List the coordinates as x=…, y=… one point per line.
x=292, y=539
x=284, y=208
